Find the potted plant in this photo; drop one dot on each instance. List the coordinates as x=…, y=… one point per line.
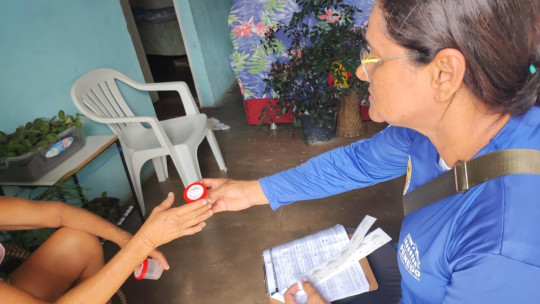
x=105, y=206
x=315, y=71
x=38, y=146
x=39, y=133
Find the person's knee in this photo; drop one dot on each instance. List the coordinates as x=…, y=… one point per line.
x=76, y=241
x=80, y=255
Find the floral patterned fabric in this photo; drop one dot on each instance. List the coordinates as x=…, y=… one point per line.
x=248, y=22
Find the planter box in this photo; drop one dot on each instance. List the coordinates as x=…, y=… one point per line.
x=32, y=166
x=254, y=108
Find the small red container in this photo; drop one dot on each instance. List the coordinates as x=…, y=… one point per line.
x=195, y=192
x=149, y=269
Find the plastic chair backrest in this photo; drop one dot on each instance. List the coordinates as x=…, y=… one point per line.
x=97, y=96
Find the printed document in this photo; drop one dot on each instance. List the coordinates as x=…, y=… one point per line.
x=327, y=258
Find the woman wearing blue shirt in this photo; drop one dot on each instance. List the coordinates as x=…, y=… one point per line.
x=455, y=80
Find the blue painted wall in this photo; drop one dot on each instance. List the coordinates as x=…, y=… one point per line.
x=206, y=34
x=44, y=47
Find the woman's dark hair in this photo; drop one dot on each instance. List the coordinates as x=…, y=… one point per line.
x=500, y=40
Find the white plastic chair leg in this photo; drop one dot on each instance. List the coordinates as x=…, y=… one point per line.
x=187, y=165
x=138, y=191
x=160, y=165
x=134, y=169
x=215, y=149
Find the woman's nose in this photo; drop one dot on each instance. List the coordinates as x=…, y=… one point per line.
x=361, y=73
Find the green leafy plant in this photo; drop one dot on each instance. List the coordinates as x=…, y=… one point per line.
x=323, y=54
x=105, y=206
x=39, y=133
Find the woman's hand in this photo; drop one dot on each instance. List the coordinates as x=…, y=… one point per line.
x=159, y=256
x=233, y=195
x=313, y=296
x=166, y=224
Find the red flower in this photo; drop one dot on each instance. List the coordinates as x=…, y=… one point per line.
x=342, y=83
x=297, y=52
x=329, y=16
x=243, y=30
x=260, y=29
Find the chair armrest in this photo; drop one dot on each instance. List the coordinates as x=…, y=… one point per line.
x=153, y=121
x=190, y=107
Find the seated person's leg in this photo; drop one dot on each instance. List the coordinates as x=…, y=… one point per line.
x=67, y=258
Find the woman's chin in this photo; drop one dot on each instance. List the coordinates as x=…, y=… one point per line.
x=374, y=115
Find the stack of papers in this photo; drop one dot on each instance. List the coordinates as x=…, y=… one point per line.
x=327, y=258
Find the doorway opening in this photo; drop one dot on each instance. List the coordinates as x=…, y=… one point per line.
x=161, y=49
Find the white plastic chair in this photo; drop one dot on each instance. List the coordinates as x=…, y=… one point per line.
x=142, y=138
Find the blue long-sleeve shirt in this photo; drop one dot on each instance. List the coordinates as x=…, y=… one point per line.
x=482, y=246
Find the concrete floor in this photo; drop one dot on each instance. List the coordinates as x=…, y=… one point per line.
x=223, y=264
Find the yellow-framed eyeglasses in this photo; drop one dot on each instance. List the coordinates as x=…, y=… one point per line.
x=366, y=58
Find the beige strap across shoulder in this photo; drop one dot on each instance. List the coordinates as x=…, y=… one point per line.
x=466, y=175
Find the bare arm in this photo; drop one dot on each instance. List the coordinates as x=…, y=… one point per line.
x=22, y=214
x=163, y=225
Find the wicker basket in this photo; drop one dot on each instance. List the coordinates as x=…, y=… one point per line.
x=349, y=121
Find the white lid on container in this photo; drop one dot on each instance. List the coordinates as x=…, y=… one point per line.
x=195, y=192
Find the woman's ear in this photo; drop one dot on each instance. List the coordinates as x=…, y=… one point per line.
x=448, y=71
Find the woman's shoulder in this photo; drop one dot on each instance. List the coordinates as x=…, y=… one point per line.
x=500, y=218
x=520, y=132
